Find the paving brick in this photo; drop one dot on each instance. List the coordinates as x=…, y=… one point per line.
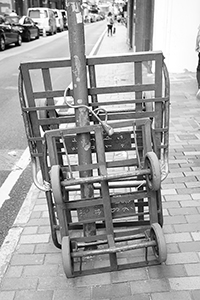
x=178, y=237
x=169, y=192
x=41, y=270
x=129, y=275
x=35, y=215
x=90, y=280
x=38, y=222
x=184, y=179
x=196, y=236
x=13, y=284
x=195, y=294
x=168, y=229
x=116, y=290
x=187, y=227
x=25, y=249
x=40, y=207
x=175, y=220
x=53, y=282
x=188, y=191
x=46, y=248
x=30, y=230
x=195, y=196
x=190, y=203
x=34, y=238
x=192, y=184
x=150, y=286
x=14, y=271
x=183, y=211
x=72, y=295
x=172, y=248
x=193, y=218
x=53, y=258
x=27, y=259
x=193, y=269
x=37, y=295
x=171, y=296
x=7, y=295
x=164, y=271
x=171, y=204
x=44, y=229
x=178, y=197
x=182, y=258
x=173, y=186
x=189, y=247
x=185, y=283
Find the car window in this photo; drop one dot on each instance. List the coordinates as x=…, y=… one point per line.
x=38, y=14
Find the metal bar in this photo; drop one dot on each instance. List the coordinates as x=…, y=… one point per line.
x=79, y=80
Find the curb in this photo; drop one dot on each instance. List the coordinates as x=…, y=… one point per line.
x=10, y=243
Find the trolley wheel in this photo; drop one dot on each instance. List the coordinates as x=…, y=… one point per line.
x=56, y=177
x=154, y=179
x=160, y=249
x=68, y=264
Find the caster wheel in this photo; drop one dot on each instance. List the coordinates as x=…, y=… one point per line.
x=160, y=249
x=56, y=178
x=68, y=265
x=154, y=178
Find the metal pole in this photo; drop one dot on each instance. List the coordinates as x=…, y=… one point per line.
x=79, y=80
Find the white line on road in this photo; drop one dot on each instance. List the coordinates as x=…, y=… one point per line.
x=12, y=178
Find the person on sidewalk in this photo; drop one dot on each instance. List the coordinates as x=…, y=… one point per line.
x=198, y=66
x=110, y=22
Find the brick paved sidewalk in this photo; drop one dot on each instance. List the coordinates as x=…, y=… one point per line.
x=34, y=269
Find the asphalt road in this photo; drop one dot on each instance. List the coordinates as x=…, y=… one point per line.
x=13, y=141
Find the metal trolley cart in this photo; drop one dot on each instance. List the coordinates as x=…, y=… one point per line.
x=128, y=140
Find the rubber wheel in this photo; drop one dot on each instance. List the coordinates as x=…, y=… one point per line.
x=38, y=35
x=68, y=264
x=160, y=249
x=2, y=44
x=19, y=40
x=154, y=178
x=56, y=177
x=28, y=37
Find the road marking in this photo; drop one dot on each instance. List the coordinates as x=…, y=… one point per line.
x=12, y=178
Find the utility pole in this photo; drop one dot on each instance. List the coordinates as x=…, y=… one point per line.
x=80, y=93
x=144, y=25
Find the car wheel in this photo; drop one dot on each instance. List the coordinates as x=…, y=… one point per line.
x=28, y=37
x=19, y=40
x=38, y=35
x=2, y=44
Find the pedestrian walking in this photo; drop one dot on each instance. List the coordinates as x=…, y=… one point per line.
x=198, y=66
x=110, y=22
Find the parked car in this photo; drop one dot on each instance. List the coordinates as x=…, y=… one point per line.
x=65, y=20
x=29, y=28
x=44, y=18
x=59, y=19
x=9, y=33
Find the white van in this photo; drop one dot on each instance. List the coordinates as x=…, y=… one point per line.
x=44, y=18
x=59, y=19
